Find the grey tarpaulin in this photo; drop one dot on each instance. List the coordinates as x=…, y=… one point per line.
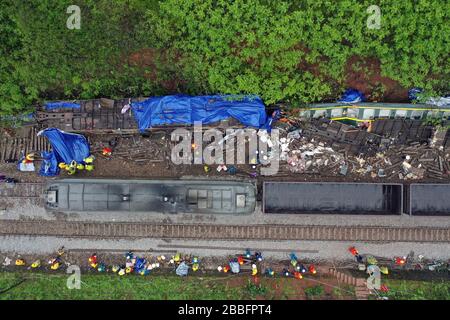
x=182, y=269
x=234, y=267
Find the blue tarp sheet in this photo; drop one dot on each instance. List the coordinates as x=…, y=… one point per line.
x=183, y=109
x=352, y=96
x=61, y=105
x=66, y=148
x=49, y=165
x=413, y=93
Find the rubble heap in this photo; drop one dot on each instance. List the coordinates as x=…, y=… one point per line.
x=319, y=152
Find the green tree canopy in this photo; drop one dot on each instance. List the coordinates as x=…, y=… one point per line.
x=290, y=51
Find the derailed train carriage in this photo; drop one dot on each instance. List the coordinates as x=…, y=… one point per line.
x=164, y=196
x=240, y=197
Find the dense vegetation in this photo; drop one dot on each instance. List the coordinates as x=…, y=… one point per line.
x=294, y=51
x=418, y=290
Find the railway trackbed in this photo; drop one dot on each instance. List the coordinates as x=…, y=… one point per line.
x=22, y=191
x=128, y=230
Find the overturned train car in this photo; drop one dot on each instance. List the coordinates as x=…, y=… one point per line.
x=165, y=196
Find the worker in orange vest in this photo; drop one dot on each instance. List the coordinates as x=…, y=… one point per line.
x=93, y=261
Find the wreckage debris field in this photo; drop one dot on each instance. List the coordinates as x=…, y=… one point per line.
x=333, y=198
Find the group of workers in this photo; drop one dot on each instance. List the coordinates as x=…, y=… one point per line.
x=74, y=166
x=71, y=168
x=87, y=163
x=142, y=266
x=55, y=262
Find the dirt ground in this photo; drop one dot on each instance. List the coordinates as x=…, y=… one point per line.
x=364, y=74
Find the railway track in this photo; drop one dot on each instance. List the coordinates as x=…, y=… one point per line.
x=116, y=230
x=31, y=192
x=13, y=148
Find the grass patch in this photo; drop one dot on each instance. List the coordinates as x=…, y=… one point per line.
x=53, y=287
x=314, y=292
x=344, y=291
x=418, y=290
x=254, y=290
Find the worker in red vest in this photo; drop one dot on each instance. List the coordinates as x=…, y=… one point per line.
x=107, y=152
x=353, y=251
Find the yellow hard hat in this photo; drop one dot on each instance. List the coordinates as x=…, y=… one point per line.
x=20, y=262
x=62, y=165
x=384, y=270
x=36, y=264
x=89, y=167
x=80, y=166
x=89, y=159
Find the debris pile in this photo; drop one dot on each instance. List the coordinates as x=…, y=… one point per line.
x=304, y=155
x=335, y=152
x=132, y=148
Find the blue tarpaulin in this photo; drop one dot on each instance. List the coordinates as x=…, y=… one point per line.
x=413, y=93
x=351, y=96
x=61, y=105
x=49, y=165
x=183, y=109
x=66, y=148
